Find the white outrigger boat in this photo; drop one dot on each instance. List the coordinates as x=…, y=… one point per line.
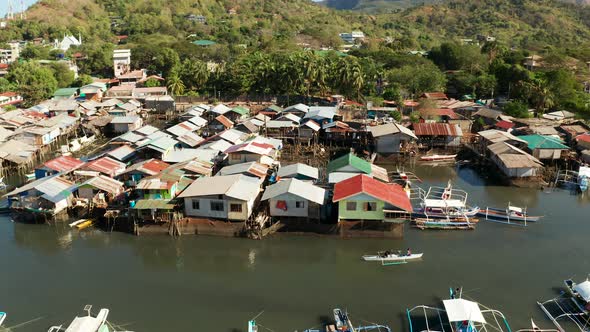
x=458, y=315
x=88, y=323
x=579, y=179
x=512, y=215
x=439, y=157
x=571, y=307
x=343, y=324
x=444, y=208
x=390, y=256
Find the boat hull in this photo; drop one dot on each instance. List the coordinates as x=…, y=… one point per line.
x=499, y=214
x=437, y=157
x=391, y=258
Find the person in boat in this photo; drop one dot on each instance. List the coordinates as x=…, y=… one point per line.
x=409, y=252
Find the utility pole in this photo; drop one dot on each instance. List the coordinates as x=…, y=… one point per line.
x=23, y=14
x=10, y=13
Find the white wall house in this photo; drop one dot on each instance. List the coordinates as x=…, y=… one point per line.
x=294, y=198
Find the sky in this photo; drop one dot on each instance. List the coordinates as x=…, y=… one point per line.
x=15, y=5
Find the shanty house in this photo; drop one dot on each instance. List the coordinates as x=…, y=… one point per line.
x=123, y=124
x=299, y=109
x=134, y=173
x=438, y=134
x=58, y=165
x=545, y=147
x=237, y=113
x=220, y=123
x=101, y=190
x=250, y=169
x=230, y=197
x=107, y=166
x=392, y=138
x=298, y=171
x=251, y=151
x=514, y=162
x=349, y=165
x=294, y=198
x=364, y=198
x=49, y=194
x=583, y=141
x=165, y=185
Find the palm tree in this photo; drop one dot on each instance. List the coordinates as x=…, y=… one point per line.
x=175, y=84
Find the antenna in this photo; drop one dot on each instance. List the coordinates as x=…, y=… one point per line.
x=10, y=13
x=23, y=14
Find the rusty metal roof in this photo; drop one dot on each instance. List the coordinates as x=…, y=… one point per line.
x=106, y=165
x=437, y=129
x=106, y=184
x=63, y=164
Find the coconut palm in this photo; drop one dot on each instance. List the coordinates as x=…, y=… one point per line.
x=175, y=84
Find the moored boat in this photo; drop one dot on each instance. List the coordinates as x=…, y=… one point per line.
x=87, y=323
x=580, y=294
x=391, y=256
x=439, y=157
x=84, y=224
x=342, y=321
x=458, y=315
x=342, y=324
x=509, y=215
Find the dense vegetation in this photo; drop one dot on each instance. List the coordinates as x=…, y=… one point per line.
x=260, y=48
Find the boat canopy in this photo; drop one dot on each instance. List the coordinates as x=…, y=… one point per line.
x=459, y=310
x=515, y=209
x=443, y=203
x=88, y=323
x=584, y=290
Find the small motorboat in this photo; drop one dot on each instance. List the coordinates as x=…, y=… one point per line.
x=391, y=256
x=87, y=323
x=82, y=223
x=343, y=323
x=439, y=157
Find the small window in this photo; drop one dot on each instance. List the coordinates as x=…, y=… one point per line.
x=351, y=206
x=216, y=206
x=196, y=205
x=235, y=208
x=370, y=206
x=300, y=204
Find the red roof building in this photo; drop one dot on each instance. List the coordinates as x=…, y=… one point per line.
x=437, y=129
x=107, y=166
x=63, y=164
x=391, y=194
x=505, y=125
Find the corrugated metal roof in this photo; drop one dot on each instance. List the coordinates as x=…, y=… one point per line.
x=349, y=160
x=293, y=170
x=508, y=153
x=437, y=129
x=312, y=125
x=198, y=121
x=543, y=142
x=149, y=204
x=227, y=123
x=289, y=117
x=220, y=109
x=235, y=186
x=122, y=153
x=181, y=155
x=197, y=166
x=130, y=137
x=276, y=143
x=190, y=139
x=125, y=119
x=252, y=168
x=233, y=136
x=147, y=130
x=295, y=187
x=323, y=112
x=63, y=164
x=297, y=108
x=182, y=128
x=55, y=189
x=162, y=144
x=496, y=136
x=240, y=110
x=391, y=193
x=105, y=184
x=252, y=147
x=273, y=124
x=218, y=146
x=106, y=165
x=389, y=129
x=154, y=183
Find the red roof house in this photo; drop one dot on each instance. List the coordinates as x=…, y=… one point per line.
x=364, y=198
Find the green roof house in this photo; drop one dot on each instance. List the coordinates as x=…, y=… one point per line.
x=65, y=93
x=545, y=147
x=350, y=165
x=237, y=113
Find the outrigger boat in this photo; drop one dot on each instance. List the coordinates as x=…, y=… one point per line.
x=82, y=223
x=403, y=178
x=444, y=208
x=512, y=215
x=458, y=315
x=343, y=324
x=571, y=306
x=392, y=257
x=535, y=328
x=580, y=294
x=88, y=323
x=580, y=178
x=439, y=157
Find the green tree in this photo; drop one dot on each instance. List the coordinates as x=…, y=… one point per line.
x=82, y=80
x=175, y=84
x=418, y=79
x=152, y=82
x=34, y=82
x=63, y=74
x=517, y=109
x=194, y=74
x=6, y=85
